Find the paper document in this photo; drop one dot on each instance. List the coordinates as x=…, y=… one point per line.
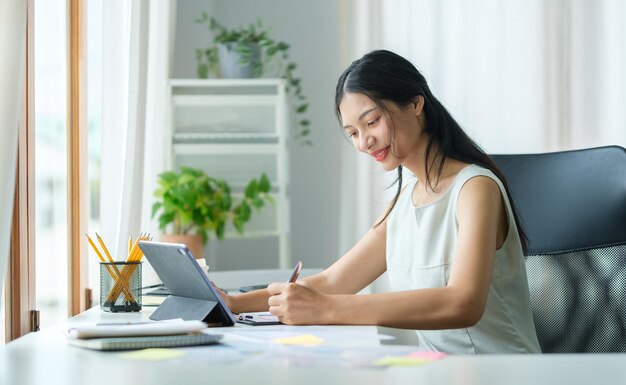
x=257, y=318
x=157, y=328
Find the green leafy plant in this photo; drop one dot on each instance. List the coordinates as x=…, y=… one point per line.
x=190, y=202
x=274, y=59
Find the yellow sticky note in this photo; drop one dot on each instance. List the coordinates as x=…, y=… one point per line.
x=152, y=354
x=303, y=340
x=401, y=361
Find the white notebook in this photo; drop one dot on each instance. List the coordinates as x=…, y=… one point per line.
x=144, y=342
x=152, y=328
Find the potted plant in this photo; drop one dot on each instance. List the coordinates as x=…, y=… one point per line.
x=192, y=205
x=250, y=51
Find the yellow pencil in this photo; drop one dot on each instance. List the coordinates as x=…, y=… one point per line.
x=93, y=246
x=130, y=243
x=121, y=277
x=133, y=247
x=135, y=256
x=136, y=253
x=112, y=273
x=104, y=247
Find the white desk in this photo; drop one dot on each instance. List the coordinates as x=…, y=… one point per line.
x=45, y=358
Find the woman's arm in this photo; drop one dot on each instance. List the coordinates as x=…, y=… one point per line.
x=351, y=273
x=247, y=302
x=357, y=268
x=480, y=216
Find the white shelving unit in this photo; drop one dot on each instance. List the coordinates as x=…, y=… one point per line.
x=236, y=130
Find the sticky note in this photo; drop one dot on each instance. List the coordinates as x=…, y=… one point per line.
x=427, y=355
x=411, y=359
x=303, y=340
x=152, y=354
x=401, y=361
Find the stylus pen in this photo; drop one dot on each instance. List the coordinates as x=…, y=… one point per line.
x=296, y=272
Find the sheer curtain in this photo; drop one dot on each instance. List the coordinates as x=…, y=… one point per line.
x=12, y=56
x=519, y=76
x=362, y=191
x=136, y=66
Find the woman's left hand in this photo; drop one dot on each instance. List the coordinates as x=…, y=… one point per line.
x=295, y=304
x=225, y=296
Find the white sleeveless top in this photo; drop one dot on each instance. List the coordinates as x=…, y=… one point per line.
x=421, y=242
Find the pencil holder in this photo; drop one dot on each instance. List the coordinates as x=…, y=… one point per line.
x=120, y=286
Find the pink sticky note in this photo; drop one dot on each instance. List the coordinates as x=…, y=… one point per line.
x=427, y=355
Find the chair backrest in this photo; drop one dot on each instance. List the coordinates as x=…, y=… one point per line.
x=572, y=206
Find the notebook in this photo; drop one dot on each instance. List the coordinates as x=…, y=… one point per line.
x=143, y=342
x=137, y=329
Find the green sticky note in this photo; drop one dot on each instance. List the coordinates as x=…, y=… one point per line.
x=401, y=361
x=152, y=354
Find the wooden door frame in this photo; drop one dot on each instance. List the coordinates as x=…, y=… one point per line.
x=77, y=192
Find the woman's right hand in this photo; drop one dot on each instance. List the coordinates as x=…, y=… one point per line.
x=296, y=304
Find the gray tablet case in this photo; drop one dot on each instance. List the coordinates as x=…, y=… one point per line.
x=192, y=296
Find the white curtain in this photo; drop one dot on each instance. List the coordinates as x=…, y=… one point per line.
x=12, y=56
x=160, y=46
x=519, y=76
x=135, y=72
x=362, y=182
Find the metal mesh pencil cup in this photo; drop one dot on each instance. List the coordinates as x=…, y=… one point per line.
x=120, y=286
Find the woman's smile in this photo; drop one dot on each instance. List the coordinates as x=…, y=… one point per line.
x=380, y=155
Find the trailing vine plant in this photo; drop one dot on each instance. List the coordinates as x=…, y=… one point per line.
x=274, y=60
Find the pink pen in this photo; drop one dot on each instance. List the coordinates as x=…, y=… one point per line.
x=296, y=272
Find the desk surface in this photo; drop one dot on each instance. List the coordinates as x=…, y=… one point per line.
x=45, y=358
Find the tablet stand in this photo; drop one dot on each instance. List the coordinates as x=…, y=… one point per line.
x=191, y=309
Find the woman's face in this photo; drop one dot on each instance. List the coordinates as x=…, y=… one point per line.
x=390, y=138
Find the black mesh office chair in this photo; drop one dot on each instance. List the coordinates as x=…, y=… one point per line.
x=572, y=205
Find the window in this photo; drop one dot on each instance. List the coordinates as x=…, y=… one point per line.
x=94, y=134
x=51, y=274
x=3, y=322
x=46, y=254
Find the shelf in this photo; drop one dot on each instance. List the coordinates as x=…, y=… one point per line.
x=237, y=190
x=224, y=137
x=236, y=129
x=226, y=83
x=251, y=234
x=224, y=148
x=223, y=100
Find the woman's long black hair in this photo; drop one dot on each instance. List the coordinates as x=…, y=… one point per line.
x=385, y=76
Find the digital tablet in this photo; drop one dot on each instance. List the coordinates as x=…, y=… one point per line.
x=192, y=295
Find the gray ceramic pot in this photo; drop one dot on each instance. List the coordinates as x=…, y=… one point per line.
x=229, y=59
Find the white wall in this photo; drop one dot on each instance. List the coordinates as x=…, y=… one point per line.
x=312, y=28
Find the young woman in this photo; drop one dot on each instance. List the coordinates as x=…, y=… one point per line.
x=449, y=240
